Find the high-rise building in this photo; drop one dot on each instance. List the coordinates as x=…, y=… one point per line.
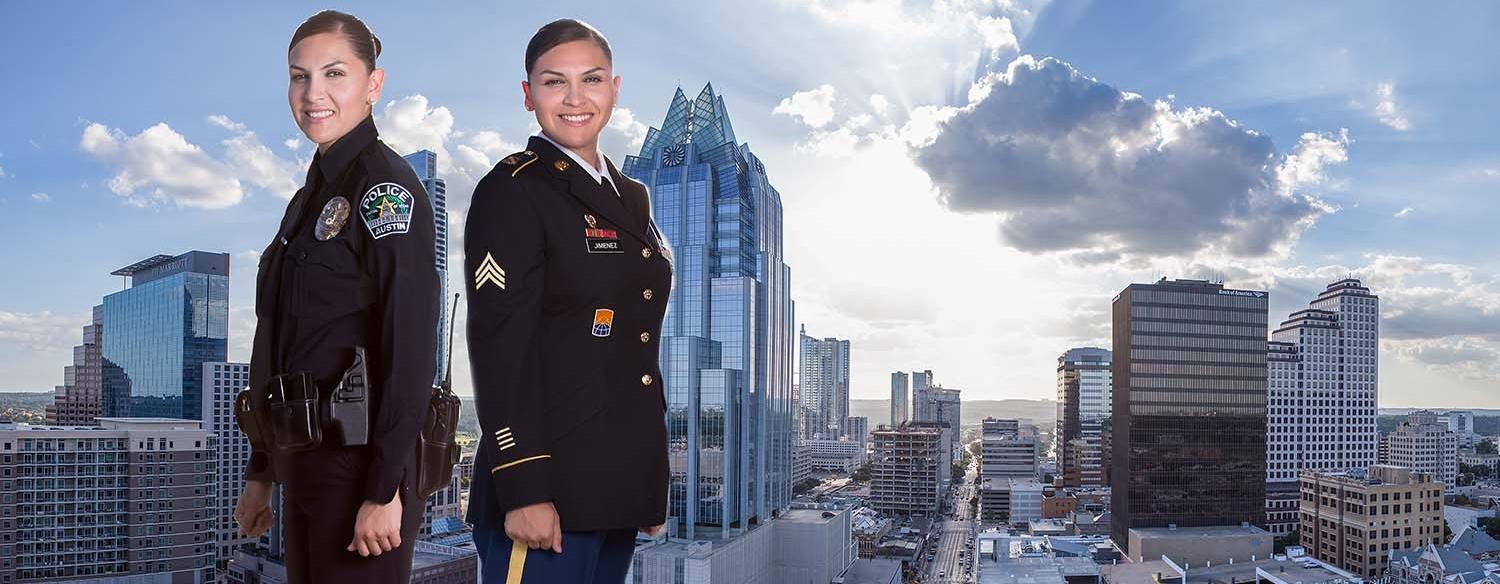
x=726, y=347
x=231, y=449
x=1354, y=519
x=857, y=429
x=445, y=503
x=1423, y=443
x=1083, y=403
x=823, y=377
x=900, y=398
x=1189, y=407
x=921, y=404
x=127, y=500
x=424, y=162
x=160, y=331
x=76, y=401
x=905, y=470
x=1322, y=368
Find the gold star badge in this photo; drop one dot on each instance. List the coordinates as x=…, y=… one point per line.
x=560, y=165
x=387, y=205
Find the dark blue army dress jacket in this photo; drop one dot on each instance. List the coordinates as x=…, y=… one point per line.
x=567, y=284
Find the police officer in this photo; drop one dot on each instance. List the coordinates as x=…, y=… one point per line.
x=567, y=282
x=351, y=266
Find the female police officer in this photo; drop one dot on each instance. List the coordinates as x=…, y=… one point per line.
x=567, y=282
x=348, y=279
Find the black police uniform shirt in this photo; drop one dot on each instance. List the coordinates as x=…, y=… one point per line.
x=567, y=278
x=353, y=263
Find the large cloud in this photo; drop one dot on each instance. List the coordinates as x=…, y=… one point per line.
x=159, y=165
x=1077, y=166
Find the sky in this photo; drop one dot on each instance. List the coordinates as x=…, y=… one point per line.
x=966, y=183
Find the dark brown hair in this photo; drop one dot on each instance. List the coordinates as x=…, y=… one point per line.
x=365, y=45
x=564, y=30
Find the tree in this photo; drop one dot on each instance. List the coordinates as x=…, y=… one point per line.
x=1289, y=539
x=1491, y=526
x=1486, y=447
x=805, y=486
x=861, y=474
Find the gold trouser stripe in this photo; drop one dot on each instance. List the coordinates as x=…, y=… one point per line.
x=518, y=168
x=517, y=562
x=516, y=462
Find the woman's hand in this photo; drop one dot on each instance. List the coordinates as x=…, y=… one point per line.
x=377, y=529
x=535, y=525
x=253, y=510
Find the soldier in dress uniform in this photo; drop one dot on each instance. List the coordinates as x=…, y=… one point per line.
x=567, y=281
x=348, y=284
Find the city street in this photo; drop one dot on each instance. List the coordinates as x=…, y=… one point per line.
x=947, y=567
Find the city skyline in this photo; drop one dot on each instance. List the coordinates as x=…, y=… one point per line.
x=1373, y=156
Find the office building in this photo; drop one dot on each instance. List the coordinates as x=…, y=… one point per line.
x=1004, y=453
x=1083, y=403
x=1189, y=407
x=1322, y=369
x=900, y=398
x=160, y=331
x=1424, y=444
x=76, y=401
x=127, y=499
x=1354, y=519
x=802, y=545
x=726, y=346
x=424, y=163
x=921, y=406
x=823, y=380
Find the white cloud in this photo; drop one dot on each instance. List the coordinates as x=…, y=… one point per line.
x=1387, y=110
x=223, y=121
x=41, y=331
x=41, y=197
x=412, y=123
x=813, y=107
x=879, y=104
x=160, y=165
x=1074, y=166
x=255, y=163
x=292, y=144
x=1404, y=212
x=2, y=168
x=625, y=133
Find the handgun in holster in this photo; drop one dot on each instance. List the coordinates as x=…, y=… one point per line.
x=291, y=412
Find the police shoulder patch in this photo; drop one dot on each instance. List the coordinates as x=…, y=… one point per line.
x=387, y=209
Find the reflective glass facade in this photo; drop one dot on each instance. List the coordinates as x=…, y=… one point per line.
x=1189, y=406
x=726, y=346
x=1083, y=403
x=159, y=332
x=424, y=163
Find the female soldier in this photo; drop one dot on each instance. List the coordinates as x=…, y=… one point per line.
x=350, y=275
x=567, y=281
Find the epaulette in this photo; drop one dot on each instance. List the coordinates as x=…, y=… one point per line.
x=519, y=160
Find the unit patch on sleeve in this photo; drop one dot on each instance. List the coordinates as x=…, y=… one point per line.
x=387, y=209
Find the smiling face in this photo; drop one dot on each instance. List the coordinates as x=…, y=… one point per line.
x=573, y=91
x=329, y=88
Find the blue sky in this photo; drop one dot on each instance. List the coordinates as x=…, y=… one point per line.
x=1274, y=145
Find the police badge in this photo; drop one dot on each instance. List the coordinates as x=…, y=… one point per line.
x=331, y=220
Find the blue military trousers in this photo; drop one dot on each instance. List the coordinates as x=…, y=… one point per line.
x=588, y=557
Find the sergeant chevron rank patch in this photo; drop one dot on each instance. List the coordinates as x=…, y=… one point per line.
x=489, y=272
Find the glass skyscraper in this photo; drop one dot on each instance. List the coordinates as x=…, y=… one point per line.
x=160, y=331
x=1189, y=407
x=726, y=346
x=424, y=162
x=1083, y=404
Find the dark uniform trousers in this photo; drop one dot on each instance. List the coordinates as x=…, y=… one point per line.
x=352, y=265
x=318, y=516
x=568, y=281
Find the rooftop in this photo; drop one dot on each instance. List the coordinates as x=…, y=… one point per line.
x=1191, y=532
x=1285, y=571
